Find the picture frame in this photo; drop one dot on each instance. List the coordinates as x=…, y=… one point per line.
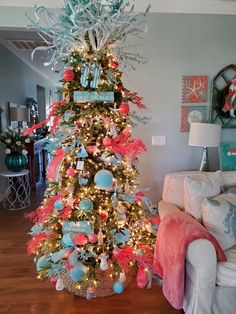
x=227, y=156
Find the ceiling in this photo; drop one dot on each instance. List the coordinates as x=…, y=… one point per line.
x=168, y=6
x=172, y=6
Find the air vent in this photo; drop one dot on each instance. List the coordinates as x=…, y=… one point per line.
x=27, y=44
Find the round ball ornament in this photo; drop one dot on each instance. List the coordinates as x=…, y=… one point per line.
x=104, y=179
x=103, y=214
x=86, y=205
x=92, y=238
x=68, y=75
x=124, y=108
x=107, y=141
x=70, y=172
x=118, y=287
x=58, y=205
x=114, y=64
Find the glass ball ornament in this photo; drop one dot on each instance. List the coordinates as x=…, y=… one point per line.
x=68, y=75
x=58, y=205
x=70, y=172
x=86, y=205
x=92, y=237
x=118, y=287
x=107, y=141
x=104, y=179
x=124, y=108
x=16, y=161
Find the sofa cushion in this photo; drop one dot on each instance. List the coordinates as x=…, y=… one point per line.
x=219, y=217
x=226, y=271
x=196, y=188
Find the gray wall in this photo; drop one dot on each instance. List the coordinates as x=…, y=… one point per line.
x=176, y=45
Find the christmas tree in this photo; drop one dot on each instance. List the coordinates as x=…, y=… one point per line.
x=92, y=230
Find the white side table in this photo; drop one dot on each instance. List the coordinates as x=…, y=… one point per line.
x=17, y=194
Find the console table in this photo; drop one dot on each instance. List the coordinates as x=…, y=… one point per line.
x=37, y=161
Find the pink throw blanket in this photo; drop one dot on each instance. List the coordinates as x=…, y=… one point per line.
x=175, y=232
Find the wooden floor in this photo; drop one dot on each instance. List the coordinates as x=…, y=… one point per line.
x=22, y=293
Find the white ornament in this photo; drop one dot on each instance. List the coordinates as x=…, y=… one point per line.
x=100, y=237
x=103, y=265
x=122, y=277
x=59, y=285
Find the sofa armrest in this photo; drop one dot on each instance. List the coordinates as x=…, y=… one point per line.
x=200, y=281
x=165, y=208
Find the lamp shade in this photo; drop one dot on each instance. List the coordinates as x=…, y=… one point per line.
x=204, y=135
x=19, y=114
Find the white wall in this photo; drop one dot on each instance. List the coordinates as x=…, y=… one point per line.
x=176, y=45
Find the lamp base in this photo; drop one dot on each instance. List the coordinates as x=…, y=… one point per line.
x=204, y=166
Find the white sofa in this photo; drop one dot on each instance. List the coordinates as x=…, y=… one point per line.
x=202, y=293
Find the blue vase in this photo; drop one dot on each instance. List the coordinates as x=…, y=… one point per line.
x=16, y=161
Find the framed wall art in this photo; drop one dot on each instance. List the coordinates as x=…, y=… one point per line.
x=223, y=107
x=191, y=114
x=227, y=154
x=194, y=89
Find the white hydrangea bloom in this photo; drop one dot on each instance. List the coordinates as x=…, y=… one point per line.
x=18, y=143
x=7, y=151
x=8, y=140
x=24, y=152
x=27, y=140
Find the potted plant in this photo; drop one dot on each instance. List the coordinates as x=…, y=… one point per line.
x=16, y=152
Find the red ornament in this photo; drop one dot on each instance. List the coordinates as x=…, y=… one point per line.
x=119, y=86
x=68, y=75
x=53, y=280
x=70, y=172
x=114, y=64
x=107, y=141
x=124, y=108
x=92, y=237
x=103, y=214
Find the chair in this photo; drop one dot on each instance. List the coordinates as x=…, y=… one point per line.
x=202, y=295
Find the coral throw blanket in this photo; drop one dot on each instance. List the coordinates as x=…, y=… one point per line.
x=175, y=232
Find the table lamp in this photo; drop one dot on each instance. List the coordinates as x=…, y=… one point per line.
x=19, y=114
x=204, y=135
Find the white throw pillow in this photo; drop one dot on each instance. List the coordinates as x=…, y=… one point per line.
x=219, y=217
x=196, y=188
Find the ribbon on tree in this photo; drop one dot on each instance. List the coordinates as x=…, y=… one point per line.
x=54, y=165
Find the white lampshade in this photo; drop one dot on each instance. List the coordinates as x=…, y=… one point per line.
x=19, y=114
x=204, y=135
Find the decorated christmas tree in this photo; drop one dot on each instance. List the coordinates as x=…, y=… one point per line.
x=93, y=232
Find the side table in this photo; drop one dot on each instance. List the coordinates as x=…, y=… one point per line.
x=17, y=194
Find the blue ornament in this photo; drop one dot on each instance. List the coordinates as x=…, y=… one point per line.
x=43, y=262
x=58, y=205
x=104, y=179
x=118, y=287
x=83, y=181
x=67, y=241
x=86, y=205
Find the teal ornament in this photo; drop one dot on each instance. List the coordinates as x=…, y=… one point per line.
x=67, y=241
x=104, y=179
x=121, y=236
x=16, y=161
x=118, y=287
x=76, y=273
x=58, y=205
x=43, y=262
x=86, y=205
